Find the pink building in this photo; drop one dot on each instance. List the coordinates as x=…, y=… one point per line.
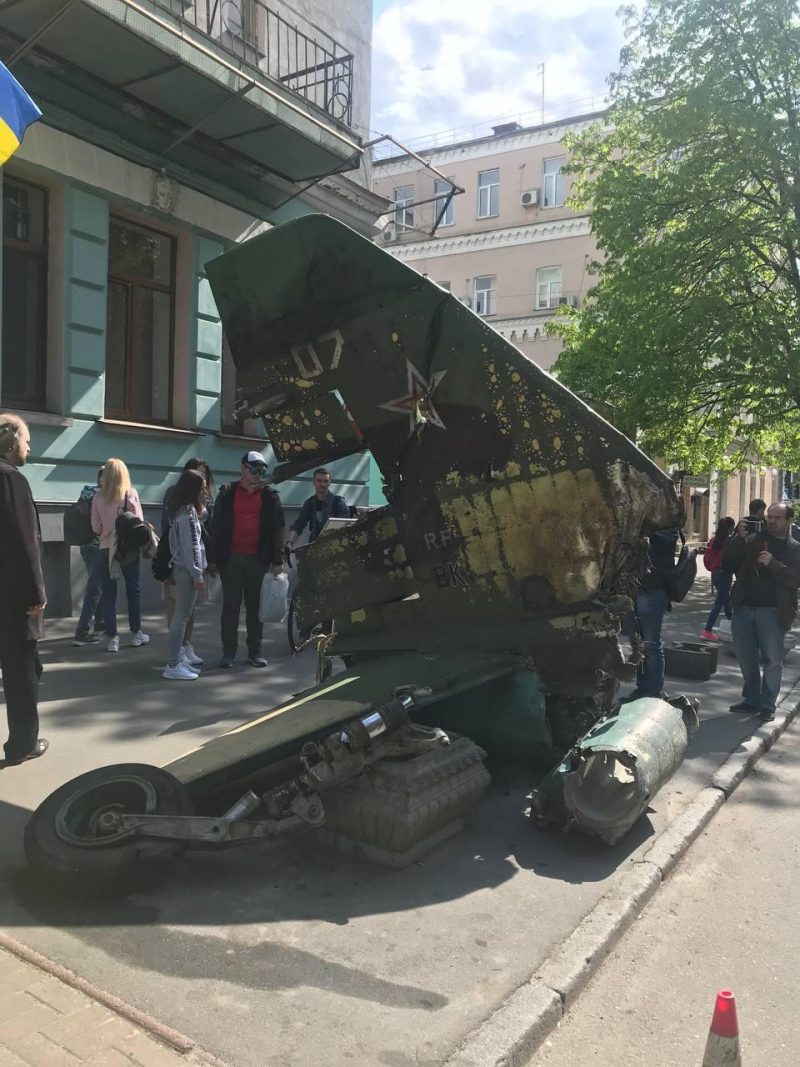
x=508, y=245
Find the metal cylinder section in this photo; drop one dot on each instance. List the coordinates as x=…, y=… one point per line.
x=615, y=770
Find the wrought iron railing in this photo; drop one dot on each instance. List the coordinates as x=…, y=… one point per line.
x=282, y=43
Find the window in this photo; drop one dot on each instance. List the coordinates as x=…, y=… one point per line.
x=488, y=193
x=404, y=207
x=485, y=295
x=548, y=287
x=555, y=182
x=141, y=310
x=441, y=190
x=24, y=294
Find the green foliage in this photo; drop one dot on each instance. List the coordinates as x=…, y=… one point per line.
x=692, y=335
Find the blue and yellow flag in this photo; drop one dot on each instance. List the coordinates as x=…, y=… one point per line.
x=17, y=112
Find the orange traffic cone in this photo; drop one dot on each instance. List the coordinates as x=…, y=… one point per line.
x=722, y=1048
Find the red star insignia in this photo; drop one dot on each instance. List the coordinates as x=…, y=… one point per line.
x=418, y=401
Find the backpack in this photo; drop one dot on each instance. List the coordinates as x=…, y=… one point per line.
x=162, y=560
x=78, y=523
x=712, y=557
x=681, y=578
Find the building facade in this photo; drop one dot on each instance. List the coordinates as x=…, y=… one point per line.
x=508, y=246
x=172, y=129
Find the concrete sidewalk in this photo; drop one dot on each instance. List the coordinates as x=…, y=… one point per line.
x=348, y=962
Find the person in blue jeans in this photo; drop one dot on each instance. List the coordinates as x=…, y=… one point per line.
x=764, y=600
x=721, y=579
x=652, y=602
x=92, y=603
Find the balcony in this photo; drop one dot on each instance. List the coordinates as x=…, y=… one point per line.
x=281, y=43
x=243, y=102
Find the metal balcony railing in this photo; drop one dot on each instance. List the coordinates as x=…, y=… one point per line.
x=282, y=43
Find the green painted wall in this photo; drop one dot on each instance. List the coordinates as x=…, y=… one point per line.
x=85, y=285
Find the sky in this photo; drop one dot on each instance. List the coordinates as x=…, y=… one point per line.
x=441, y=65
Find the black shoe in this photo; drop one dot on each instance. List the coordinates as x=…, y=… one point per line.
x=85, y=639
x=748, y=709
x=39, y=749
x=227, y=662
x=256, y=661
x=766, y=714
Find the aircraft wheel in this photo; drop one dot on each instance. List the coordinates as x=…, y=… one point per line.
x=71, y=839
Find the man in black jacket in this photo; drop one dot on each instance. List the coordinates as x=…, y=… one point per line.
x=764, y=602
x=247, y=535
x=22, y=595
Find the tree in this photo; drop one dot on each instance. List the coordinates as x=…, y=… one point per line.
x=692, y=335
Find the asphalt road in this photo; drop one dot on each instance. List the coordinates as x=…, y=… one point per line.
x=725, y=919
x=290, y=954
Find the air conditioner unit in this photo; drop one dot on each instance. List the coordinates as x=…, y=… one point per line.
x=389, y=234
x=530, y=198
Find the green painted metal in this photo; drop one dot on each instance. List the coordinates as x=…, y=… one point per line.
x=277, y=734
x=612, y=774
x=516, y=515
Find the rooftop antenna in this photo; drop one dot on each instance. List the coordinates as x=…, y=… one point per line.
x=540, y=71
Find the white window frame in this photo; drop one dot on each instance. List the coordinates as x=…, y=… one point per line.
x=441, y=190
x=548, y=290
x=488, y=193
x=404, y=207
x=484, y=297
x=554, y=182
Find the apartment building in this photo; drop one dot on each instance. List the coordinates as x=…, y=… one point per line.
x=172, y=129
x=508, y=245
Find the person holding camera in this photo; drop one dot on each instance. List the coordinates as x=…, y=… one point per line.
x=766, y=561
x=247, y=535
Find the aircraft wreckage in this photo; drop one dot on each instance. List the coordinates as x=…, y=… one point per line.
x=478, y=611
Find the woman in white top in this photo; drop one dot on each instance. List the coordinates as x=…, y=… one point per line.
x=185, y=512
x=116, y=495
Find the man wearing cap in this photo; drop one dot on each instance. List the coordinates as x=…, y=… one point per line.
x=247, y=535
x=22, y=595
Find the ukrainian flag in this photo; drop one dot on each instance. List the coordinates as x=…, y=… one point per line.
x=17, y=112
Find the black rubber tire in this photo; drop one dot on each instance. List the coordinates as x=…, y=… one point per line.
x=294, y=634
x=104, y=866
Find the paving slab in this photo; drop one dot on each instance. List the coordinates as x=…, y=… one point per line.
x=297, y=954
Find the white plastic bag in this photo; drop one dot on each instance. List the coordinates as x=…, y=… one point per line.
x=274, y=596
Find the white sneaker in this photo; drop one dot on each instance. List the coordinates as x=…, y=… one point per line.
x=113, y=644
x=139, y=639
x=191, y=656
x=180, y=673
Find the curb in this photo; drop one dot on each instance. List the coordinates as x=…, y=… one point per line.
x=173, y=1039
x=513, y=1032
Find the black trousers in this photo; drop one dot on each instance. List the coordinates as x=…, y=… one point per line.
x=241, y=577
x=22, y=670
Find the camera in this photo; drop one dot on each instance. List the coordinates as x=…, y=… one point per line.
x=756, y=528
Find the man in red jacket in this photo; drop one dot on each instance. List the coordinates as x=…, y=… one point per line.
x=247, y=535
x=22, y=595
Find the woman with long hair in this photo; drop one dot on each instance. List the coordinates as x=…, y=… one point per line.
x=116, y=495
x=188, y=566
x=168, y=587
x=721, y=580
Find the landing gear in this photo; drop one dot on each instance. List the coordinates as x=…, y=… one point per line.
x=76, y=839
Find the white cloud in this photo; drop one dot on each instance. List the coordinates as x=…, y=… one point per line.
x=446, y=64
